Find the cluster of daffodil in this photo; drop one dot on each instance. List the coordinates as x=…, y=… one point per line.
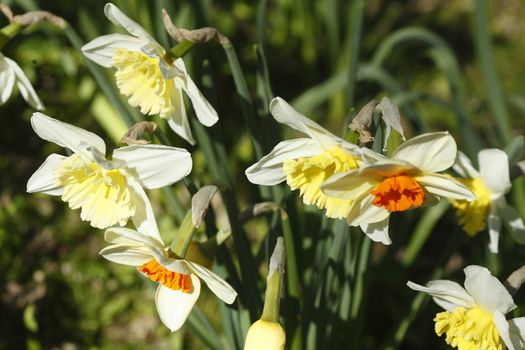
x=349, y=182
x=110, y=192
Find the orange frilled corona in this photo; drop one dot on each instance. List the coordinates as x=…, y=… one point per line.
x=398, y=193
x=158, y=273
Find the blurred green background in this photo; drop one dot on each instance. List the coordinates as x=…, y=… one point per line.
x=449, y=65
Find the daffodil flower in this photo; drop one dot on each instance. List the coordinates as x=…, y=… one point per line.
x=407, y=180
x=475, y=315
x=148, y=76
x=305, y=163
x=108, y=192
x=11, y=74
x=489, y=185
x=179, y=280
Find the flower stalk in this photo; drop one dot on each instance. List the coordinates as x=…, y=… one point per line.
x=180, y=244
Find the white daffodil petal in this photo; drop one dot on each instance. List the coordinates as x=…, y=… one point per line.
x=488, y=292
x=127, y=255
x=494, y=170
x=364, y=212
x=285, y=114
x=348, y=185
x=7, y=80
x=144, y=218
x=123, y=235
x=203, y=109
x=178, y=120
x=431, y=152
x=494, y=224
x=175, y=265
x=513, y=222
x=65, y=135
x=377, y=232
x=445, y=186
x=269, y=169
x=102, y=49
x=156, y=165
x=447, y=294
x=43, y=180
x=118, y=18
x=517, y=332
x=175, y=306
x=217, y=285
x=503, y=329
x=463, y=166
x=24, y=86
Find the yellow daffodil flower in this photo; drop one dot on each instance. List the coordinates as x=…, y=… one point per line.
x=489, y=185
x=407, y=180
x=179, y=280
x=148, y=76
x=474, y=316
x=108, y=192
x=305, y=163
x=11, y=74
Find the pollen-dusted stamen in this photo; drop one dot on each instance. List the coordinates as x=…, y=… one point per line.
x=468, y=329
x=472, y=215
x=398, y=193
x=158, y=273
x=307, y=175
x=103, y=195
x=139, y=77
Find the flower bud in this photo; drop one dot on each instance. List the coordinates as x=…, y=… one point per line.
x=265, y=335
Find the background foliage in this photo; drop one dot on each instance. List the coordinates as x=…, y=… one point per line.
x=449, y=65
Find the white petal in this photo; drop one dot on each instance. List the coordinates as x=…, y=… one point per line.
x=269, y=169
x=43, y=180
x=217, y=285
x=447, y=294
x=175, y=265
x=7, y=80
x=431, y=152
x=513, y=222
x=24, y=86
x=488, y=292
x=156, y=165
x=377, y=232
x=445, y=186
x=346, y=186
x=123, y=235
x=118, y=18
x=285, y=114
x=144, y=218
x=178, y=120
x=463, y=166
x=127, y=255
x=503, y=329
x=65, y=135
x=494, y=170
x=102, y=49
x=517, y=331
x=364, y=212
x=175, y=306
x=203, y=109
x=494, y=224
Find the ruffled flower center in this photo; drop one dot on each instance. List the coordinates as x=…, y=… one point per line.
x=472, y=215
x=398, y=193
x=139, y=77
x=470, y=329
x=174, y=280
x=307, y=175
x=103, y=195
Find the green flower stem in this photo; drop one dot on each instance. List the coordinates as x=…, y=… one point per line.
x=180, y=244
x=272, y=300
x=179, y=50
x=9, y=32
